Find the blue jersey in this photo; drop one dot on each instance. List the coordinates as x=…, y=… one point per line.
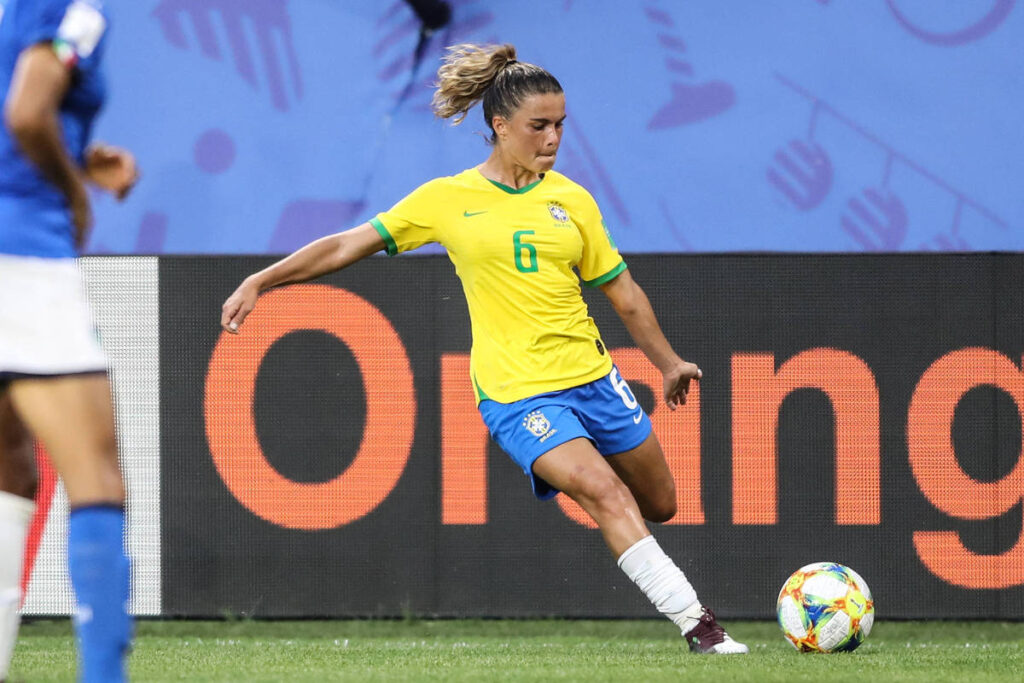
x=34, y=215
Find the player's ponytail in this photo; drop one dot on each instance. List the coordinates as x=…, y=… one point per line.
x=471, y=73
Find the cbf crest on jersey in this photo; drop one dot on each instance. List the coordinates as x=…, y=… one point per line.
x=537, y=423
x=558, y=212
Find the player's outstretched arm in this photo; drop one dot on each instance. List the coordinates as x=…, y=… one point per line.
x=632, y=305
x=323, y=256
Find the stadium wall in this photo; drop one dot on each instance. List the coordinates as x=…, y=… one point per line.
x=330, y=462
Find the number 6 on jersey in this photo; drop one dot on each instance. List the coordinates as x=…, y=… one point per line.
x=518, y=248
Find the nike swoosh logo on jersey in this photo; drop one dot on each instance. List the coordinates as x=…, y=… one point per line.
x=467, y=214
x=636, y=418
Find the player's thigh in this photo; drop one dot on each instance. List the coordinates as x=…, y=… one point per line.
x=577, y=469
x=17, y=452
x=73, y=417
x=645, y=471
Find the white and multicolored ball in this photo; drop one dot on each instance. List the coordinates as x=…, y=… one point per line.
x=825, y=607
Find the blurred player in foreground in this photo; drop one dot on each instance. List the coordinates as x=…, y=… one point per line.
x=53, y=375
x=546, y=387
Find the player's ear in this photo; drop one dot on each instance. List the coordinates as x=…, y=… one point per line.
x=500, y=126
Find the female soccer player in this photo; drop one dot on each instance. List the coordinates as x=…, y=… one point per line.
x=547, y=389
x=53, y=381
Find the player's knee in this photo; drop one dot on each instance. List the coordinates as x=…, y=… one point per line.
x=606, y=492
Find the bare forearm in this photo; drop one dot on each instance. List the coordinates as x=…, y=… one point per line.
x=643, y=327
x=323, y=256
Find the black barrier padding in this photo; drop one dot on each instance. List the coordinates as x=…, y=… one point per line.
x=898, y=314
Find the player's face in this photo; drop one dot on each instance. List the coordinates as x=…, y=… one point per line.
x=532, y=136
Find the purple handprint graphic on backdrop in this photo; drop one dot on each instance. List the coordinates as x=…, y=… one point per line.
x=951, y=241
x=803, y=176
x=689, y=102
x=268, y=19
x=878, y=222
x=995, y=16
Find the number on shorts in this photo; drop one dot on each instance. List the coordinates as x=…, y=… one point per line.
x=623, y=389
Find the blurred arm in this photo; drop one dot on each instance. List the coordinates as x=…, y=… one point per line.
x=38, y=85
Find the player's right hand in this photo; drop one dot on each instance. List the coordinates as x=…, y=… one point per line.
x=677, y=383
x=238, y=306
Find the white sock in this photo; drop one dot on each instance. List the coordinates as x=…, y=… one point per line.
x=664, y=584
x=15, y=517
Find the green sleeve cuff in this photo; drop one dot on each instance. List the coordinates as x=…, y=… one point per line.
x=610, y=275
x=389, y=241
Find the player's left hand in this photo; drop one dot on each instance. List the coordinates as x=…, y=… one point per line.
x=677, y=383
x=112, y=169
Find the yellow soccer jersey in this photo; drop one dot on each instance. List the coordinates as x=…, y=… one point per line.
x=515, y=251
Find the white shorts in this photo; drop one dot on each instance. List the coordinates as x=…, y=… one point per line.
x=46, y=326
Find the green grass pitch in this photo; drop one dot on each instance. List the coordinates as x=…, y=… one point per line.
x=512, y=650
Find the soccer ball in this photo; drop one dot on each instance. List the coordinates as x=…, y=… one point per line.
x=825, y=607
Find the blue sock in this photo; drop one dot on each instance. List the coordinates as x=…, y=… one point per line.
x=99, y=573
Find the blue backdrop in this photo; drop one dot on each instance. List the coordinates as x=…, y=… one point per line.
x=699, y=125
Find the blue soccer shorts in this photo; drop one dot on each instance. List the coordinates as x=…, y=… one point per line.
x=604, y=411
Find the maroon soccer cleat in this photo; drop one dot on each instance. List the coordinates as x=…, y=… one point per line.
x=709, y=638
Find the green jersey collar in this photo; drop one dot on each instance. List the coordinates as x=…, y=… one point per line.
x=512, y=190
